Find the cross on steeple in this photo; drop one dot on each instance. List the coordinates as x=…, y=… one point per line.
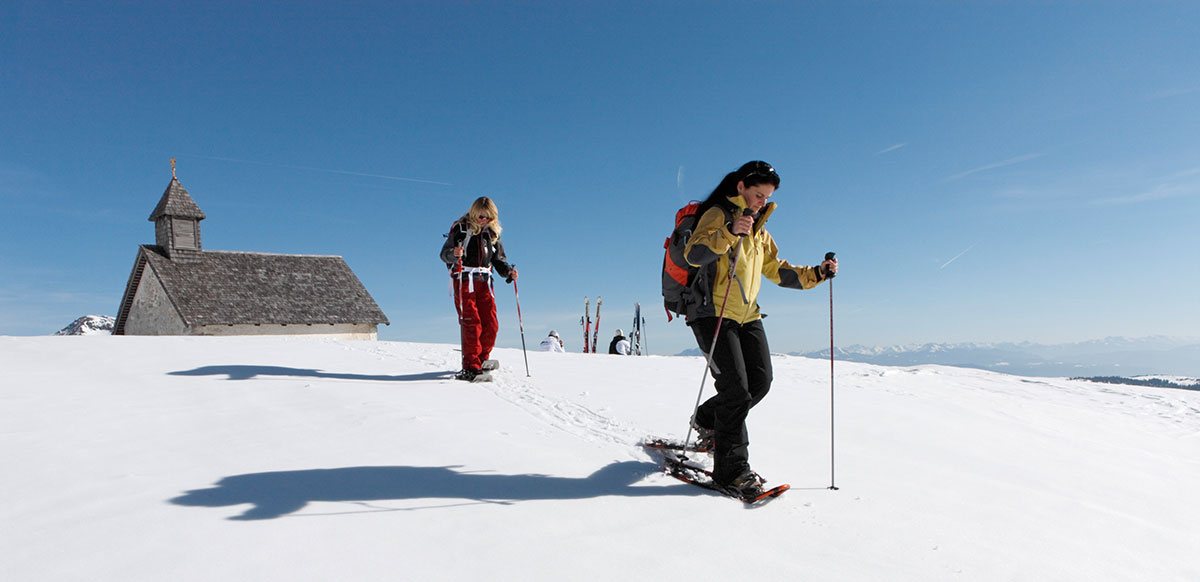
x=177, y=221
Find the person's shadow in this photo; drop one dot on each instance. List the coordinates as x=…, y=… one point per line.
x=279, y=493
x=244, y=372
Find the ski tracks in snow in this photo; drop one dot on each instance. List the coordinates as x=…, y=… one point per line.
x=557, y=412
x=562, y=414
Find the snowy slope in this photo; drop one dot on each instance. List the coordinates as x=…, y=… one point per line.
x=135, y=458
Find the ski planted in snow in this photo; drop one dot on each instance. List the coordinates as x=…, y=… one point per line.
x=596, y=332
x=635, y=336
x=586, y=323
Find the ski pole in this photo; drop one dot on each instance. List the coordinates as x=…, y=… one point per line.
x=521, y=324
x=457, y=276
x=829, y=257
x=712, y=346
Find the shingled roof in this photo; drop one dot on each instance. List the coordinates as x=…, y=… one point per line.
x=226, y=287
x=176, y=201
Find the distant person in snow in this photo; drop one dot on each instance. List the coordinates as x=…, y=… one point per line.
x=471, y=251
x=619, y=345
x=552, y=343
x=733, y=250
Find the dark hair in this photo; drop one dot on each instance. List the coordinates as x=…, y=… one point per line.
x=750, y=174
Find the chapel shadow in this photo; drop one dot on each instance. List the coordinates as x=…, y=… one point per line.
x=245, y=372
x=276, y=494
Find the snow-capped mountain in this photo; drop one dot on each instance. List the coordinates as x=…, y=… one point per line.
x=89, y=325
x=1108, y=356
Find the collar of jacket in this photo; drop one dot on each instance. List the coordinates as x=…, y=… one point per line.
x=464, y=224
x=739, y=204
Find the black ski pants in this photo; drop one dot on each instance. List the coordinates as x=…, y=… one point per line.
x=742, y=373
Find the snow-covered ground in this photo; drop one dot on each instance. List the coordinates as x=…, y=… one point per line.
x=137, y=458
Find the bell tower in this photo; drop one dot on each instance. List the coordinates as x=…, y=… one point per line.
x=177, y=222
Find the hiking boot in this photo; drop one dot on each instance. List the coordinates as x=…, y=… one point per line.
x=490, y=365
x=704, y=437
x=747, y=484
x=468, y=374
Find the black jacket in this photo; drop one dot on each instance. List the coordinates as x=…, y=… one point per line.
x=480, y=251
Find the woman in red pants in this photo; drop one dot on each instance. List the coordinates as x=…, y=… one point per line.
x=471, y=251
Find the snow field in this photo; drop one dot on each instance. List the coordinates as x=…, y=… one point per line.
x=139, y=458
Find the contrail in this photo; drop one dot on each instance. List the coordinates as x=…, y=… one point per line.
x=329, y=170
x=1008, y=162
x=957, y=256
x=891, y=149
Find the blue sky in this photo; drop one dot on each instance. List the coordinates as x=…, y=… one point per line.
x=985, y=171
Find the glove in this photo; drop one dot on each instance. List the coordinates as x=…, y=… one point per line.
x=829, y=267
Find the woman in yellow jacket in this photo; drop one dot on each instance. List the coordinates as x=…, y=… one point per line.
x=732, y=249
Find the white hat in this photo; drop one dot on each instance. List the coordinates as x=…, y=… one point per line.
x=553, y=333
x=619, y=332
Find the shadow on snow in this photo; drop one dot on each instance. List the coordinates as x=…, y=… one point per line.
x=279, y=493
x=244, y=372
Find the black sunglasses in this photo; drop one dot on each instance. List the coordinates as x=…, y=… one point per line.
x=760, y=169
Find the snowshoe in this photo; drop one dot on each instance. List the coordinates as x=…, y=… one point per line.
x=676, y=445
x=704, y=437
x=751, y=491
x=473, y=375
x=747, y=486
x=490, y=365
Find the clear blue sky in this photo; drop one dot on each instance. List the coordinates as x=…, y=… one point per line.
x=985, y=171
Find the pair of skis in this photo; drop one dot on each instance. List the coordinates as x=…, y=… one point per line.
x=591, y=336
x=677, y=464
x=586, y=322
x=636, y=336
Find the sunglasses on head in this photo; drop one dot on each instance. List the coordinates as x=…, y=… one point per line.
x=760, y=169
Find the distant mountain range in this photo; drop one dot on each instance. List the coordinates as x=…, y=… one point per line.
x=1112, y=356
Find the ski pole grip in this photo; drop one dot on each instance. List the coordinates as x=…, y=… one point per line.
x=829, y=257
x=746, y=212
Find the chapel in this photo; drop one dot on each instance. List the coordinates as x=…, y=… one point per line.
x=179, y=288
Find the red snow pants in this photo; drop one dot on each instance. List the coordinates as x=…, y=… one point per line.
x=476, y=318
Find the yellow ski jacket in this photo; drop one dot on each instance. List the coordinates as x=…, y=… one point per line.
x=711, y=248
